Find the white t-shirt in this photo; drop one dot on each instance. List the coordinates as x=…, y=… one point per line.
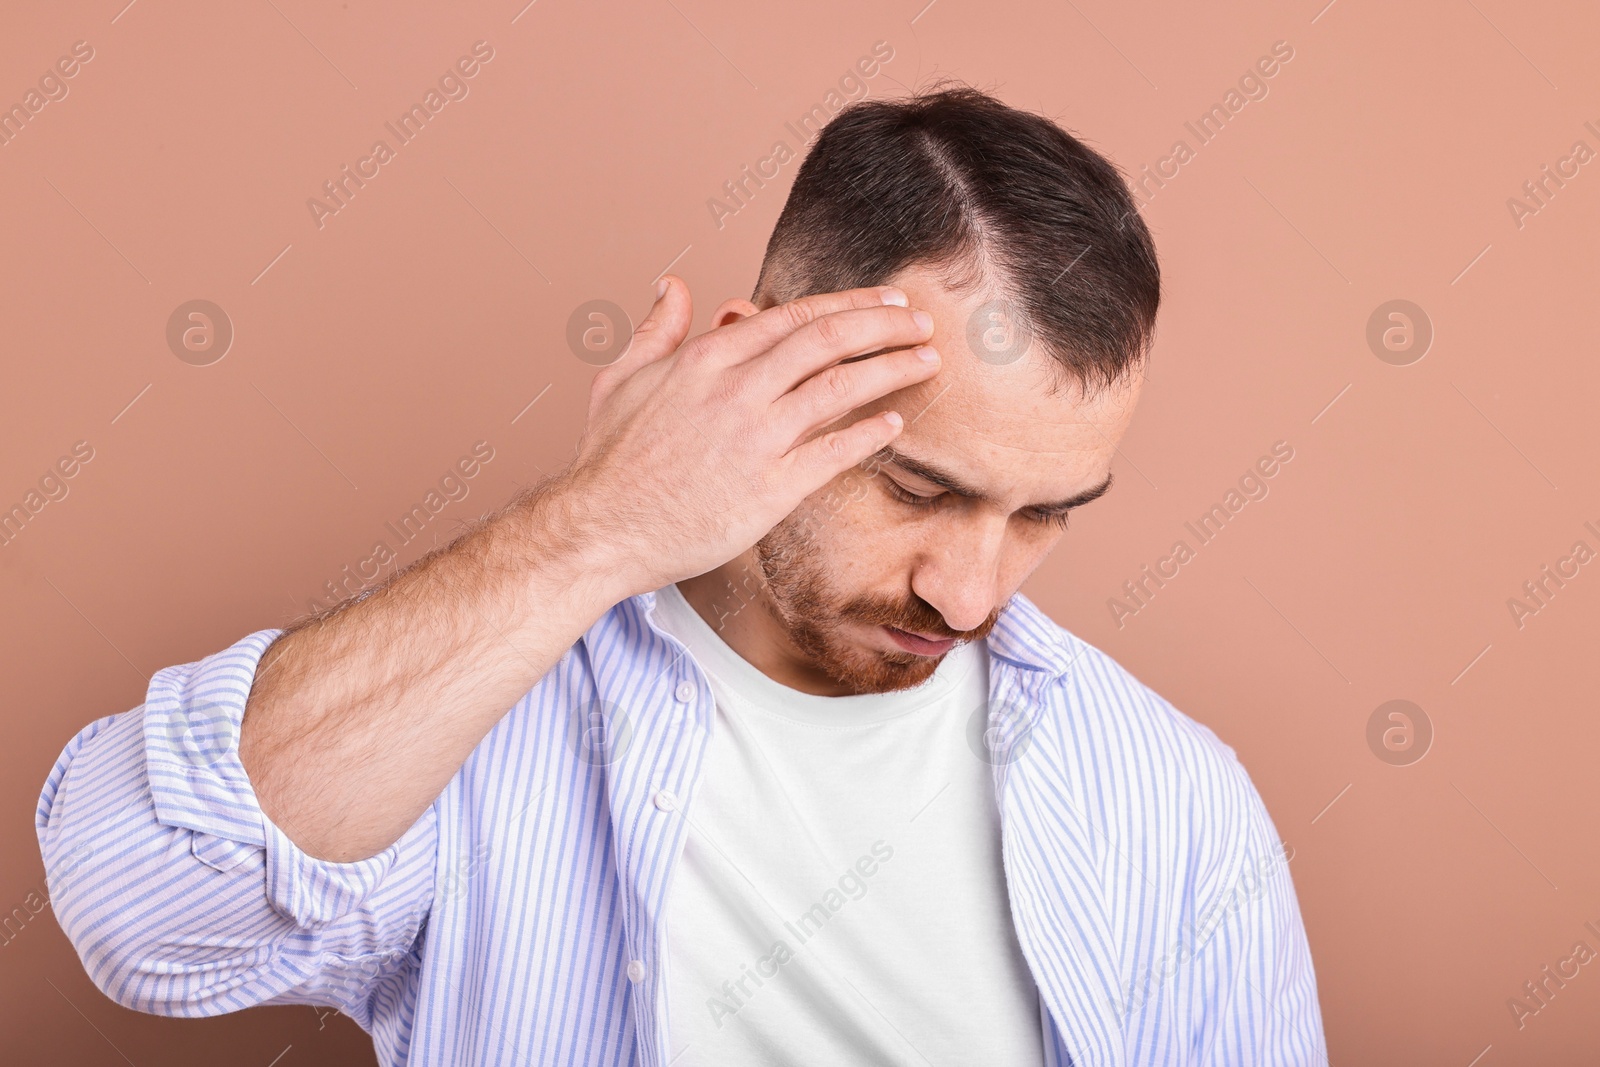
x=841, y=899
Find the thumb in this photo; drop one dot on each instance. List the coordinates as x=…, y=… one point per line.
x=665, y=327
x=655, y=338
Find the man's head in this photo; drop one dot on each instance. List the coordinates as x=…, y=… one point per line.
x=1041, y=277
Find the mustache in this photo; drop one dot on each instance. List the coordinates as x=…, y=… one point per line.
x=917, y=616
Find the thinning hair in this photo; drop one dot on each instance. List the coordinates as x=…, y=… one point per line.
x=992, y=199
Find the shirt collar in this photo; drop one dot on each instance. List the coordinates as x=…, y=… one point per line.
x=1028, y=637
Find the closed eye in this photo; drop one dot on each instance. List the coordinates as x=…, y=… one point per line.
x=1057, y=519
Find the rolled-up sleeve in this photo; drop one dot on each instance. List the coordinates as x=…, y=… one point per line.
x=183, y=898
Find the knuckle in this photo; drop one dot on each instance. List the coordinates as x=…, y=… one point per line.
x=697, y=352
x=795, y=313
x=651, y=331
x=726, y=389
x=834, y=388
x=829, y=331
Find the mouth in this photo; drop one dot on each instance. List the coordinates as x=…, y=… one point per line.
x=918, y=643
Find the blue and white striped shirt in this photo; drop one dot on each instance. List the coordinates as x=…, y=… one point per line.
x=519, y=920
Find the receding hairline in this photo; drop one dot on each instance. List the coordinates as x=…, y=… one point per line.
x=1062, y=377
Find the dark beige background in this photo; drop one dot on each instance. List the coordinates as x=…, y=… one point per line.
x=373, y=352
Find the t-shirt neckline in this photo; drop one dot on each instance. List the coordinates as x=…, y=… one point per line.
x=753, y=689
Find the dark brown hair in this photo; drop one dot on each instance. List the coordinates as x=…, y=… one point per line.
x=991, y=197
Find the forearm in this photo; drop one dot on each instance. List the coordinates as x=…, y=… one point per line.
x=358, y=719
x=178, y=897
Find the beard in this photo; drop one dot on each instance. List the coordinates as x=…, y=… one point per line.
x=814, y=615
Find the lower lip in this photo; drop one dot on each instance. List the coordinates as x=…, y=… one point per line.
x=920, y=645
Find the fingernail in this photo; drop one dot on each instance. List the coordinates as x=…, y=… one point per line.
x=928, y=354
x=893, y=418
x=661, y=288
x=894, y=296
x=923, y=320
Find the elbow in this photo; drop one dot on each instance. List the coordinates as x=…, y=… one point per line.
x=158, y=929
x=167, y=919
x=147, y=955
x=167, y=980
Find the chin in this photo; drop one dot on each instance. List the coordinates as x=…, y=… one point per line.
x=864, y=669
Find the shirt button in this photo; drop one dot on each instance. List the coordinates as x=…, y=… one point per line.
x=665, y=800
x=685, y=691
x=635, y=971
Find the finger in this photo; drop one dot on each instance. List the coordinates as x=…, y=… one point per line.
x=820, y=460
x=658, y=336
x=750, y=337
x=838, y=336
x=839, y=390
x=662, y=330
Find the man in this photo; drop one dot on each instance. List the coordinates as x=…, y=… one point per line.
x=734, y=742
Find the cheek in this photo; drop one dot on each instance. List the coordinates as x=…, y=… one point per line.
x=856, y=534
x=848, y=508
x=1026, y=548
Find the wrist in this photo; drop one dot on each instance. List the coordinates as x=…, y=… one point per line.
x=573, y=549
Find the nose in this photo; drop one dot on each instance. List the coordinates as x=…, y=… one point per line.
x=958, y=571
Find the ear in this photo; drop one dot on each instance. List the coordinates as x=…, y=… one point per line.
x=732, y=310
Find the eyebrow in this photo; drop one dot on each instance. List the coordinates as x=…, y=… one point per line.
x=951, y=483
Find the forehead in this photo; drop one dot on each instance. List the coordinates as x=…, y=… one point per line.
x=999, y=414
